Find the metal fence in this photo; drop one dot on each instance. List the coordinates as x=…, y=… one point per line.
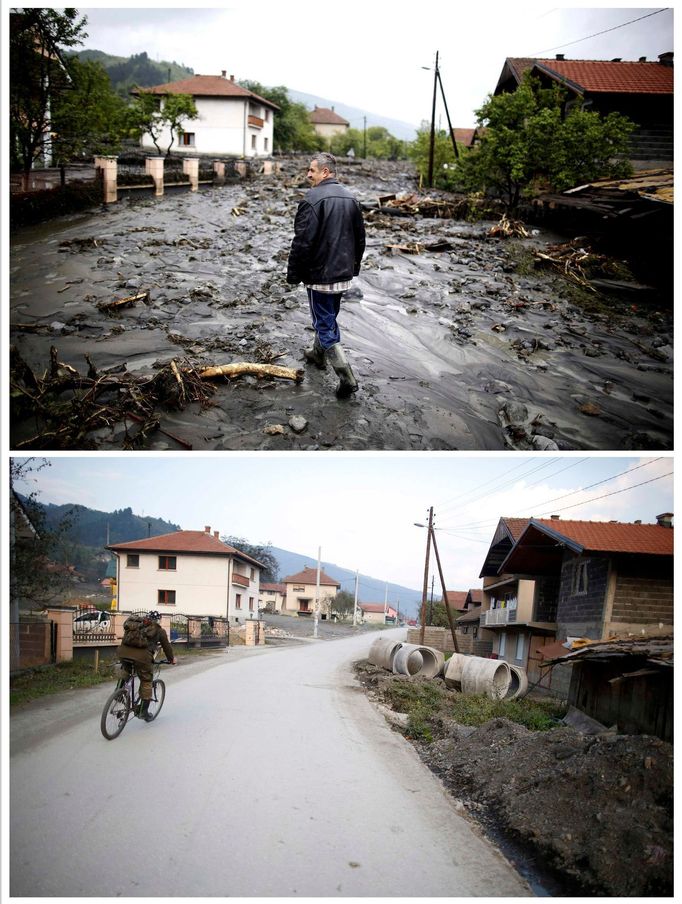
x=200, y=630
x=33, y=642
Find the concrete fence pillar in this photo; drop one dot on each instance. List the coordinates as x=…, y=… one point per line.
x=153, y=166
x=63, y=618
x=108, y=167
x=219, y=170
x=242, y=167
x=190, y=166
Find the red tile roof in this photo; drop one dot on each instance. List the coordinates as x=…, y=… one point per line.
x=189, y=541
x=464, y=136
x=377, y=607
x=321, y=116
x=614, y=536
x=279, y=588
x=309, y=576
x=476, y=595
x=456, y=598
x=205, y=86
x=604, y=76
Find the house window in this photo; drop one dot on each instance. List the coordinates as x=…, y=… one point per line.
x=132, y=560
x=520, y=644
x=465, y=629
x=167, y=563
x=475, y=631
x=265, y=144
x=253, y=142
x=250, y=604
x=187, y=139
x=580, y=579
x=238, y=601
x=502, y=645
x=253, y=574
x=166, y=598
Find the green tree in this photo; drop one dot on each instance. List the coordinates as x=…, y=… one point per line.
x=343, y=603
x=443, y=157
x=292, y=130
x=32, y=543
x=38, y=77
x=261, y=552
x=90, y=118
x=530, y=144
x=376, y=143
x=154, y=114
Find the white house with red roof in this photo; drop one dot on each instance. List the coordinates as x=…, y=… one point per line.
x=187, y=572
x=545, y=580
x=232, y=121
x=301, y=593
x=272, y=597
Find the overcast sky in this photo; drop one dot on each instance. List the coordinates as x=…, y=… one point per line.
x=370, y=54
x=361, y=509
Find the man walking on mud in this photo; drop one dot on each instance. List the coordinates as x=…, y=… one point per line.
x=328, y=244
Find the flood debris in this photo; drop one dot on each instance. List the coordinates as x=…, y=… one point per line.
x=506, y=228
x=127, y=302
x=575, y=260
x=257, y=370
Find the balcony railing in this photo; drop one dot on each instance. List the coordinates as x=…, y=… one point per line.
x=256, y=121
x=498, y=617
x=240, y=579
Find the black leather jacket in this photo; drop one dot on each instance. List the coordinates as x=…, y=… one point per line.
x=329, y=236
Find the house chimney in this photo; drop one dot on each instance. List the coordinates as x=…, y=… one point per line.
x=207, y=529
x=216, y=534
x=224, y=73
x=639, y=521
x=555, y=517
x=559, y=56
x=231, y=78
x=665, y=520
x=617, y=60
x=666, y=59
x=642, y=60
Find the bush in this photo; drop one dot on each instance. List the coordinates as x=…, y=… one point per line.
x=476, y=709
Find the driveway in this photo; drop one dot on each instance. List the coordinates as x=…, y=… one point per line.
x=268, y=773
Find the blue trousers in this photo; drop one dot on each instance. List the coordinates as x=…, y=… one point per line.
x=324, y=309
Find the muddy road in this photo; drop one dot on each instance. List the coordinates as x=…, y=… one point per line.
x=471, y=347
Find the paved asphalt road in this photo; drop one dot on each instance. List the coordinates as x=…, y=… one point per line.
x=268, y=773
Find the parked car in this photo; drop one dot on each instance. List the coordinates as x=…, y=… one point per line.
x=93, y=620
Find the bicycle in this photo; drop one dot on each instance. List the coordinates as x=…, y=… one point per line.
x=125, y=700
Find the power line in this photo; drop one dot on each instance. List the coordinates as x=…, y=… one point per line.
x=573, y=492
x=614, y=493
x=524, y=464
x=606, y=30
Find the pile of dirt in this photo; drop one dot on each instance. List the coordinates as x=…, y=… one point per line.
x=592, y=811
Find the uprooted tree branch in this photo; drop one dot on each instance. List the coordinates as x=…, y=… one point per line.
x=68, y=406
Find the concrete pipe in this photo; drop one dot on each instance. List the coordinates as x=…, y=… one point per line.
x=408, y=660
x=519, y=683
x=453, y=671
x=486, y=676
x=382, y=651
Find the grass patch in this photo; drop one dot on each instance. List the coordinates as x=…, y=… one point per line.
x=429, y=706
x=52, y=679
x=476, y=709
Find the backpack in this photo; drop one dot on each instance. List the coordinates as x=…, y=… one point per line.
x=134, y=632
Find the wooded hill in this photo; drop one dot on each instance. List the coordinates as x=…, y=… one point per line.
x=126, y=72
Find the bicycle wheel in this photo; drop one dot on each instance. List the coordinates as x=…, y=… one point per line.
x=115, y=714
x=158, y=696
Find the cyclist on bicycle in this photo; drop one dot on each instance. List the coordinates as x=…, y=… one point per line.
x=141, y=638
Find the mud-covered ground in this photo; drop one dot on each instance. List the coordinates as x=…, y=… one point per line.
x=471, y=348
x=578, y=813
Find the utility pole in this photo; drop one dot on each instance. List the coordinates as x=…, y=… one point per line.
x=385, y=602
x=447, y=114
x=433, y=578
x=445, y=596
x=432, y=141
x=316, y=609
x=355, y=607
x=364, y=152
x=422, y=616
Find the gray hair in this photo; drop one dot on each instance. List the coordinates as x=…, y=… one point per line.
x=324, y=159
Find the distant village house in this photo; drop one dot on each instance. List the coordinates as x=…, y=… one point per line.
x=327, y=123
x=301, y=593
